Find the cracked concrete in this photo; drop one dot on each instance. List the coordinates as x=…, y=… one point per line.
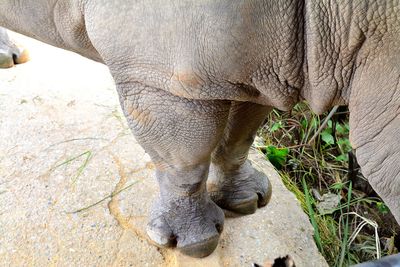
x=75, y=187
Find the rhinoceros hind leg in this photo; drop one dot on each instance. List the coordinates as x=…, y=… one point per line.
x=233, y=183
x=179, y=135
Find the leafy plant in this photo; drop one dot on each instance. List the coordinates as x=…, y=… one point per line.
x=382, y=207
x=311, y=154
x=277, y=156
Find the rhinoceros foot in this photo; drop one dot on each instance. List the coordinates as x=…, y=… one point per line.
x=12, y=56
x=241, y=191
x=21, y=56
x=10, y=53
x=191, y=223
x=6, y=60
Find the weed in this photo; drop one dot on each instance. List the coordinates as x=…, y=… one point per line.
x=314, y=158
x=311, y=214
x=87, y=156
x=103, y=199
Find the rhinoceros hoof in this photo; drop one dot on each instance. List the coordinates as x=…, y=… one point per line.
x=23, y=56
x=192, y=224
x=6, y=61
x=8, y=58
x=241, y=191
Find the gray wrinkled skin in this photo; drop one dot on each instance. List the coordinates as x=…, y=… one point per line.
x=233, y=183
x=389, y=261
x=197, y=78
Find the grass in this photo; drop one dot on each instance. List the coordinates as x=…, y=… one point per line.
x=311, y=214
x=103, y=199
x=87, y=156
x=315, y=160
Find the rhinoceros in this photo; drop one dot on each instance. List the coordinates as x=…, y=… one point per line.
x=196, y=78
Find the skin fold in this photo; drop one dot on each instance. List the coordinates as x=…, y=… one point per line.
x=197, y=78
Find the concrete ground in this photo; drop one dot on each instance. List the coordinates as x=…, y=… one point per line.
x=75, y=187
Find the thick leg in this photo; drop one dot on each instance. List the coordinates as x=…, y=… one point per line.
x=179, y=134
x=233, y=183
x=10, y=54
x=375, y=125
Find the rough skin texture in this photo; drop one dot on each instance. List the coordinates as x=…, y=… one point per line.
x=197, y=78
x=233, y=183
x=388, y=261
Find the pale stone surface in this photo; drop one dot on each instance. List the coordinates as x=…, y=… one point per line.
x=64, y=146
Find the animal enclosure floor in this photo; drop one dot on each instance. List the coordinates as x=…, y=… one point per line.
x=75, y=186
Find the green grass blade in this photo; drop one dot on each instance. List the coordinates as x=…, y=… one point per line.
x=311, y=213
x=344, y=247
